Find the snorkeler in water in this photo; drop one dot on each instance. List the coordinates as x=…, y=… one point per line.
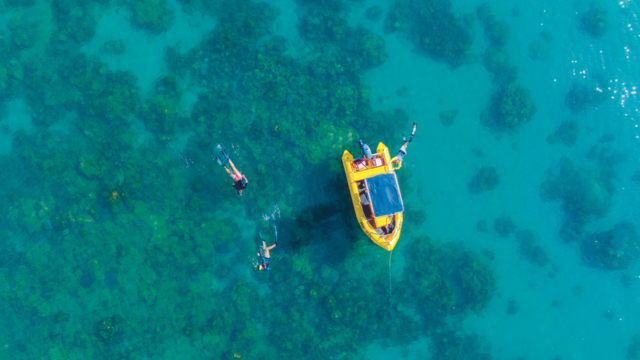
x=240, y=181
x=403, y=150
x=266, y=256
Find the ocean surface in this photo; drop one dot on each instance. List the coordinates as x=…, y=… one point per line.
x=121, y=237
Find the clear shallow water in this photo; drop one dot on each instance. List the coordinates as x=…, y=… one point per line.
x=121, y=237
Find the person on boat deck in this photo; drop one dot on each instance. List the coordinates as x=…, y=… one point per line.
x=364, y=197
x=365, y=151
x=266, y=256
x=389, y=228
x=240, y=181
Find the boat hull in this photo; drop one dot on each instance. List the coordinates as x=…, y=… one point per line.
x=371, y=225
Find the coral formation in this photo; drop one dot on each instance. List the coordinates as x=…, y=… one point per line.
x=539, y=48
x=633, y=350
x=486, y=179
x=433, y=28
x=566, y=133
x=374, y=13
x=22, y=32
x=123, y=241
x=450, y=280
x=75, y=22
x=512, y=307
x=114, y=47
x=529, y=251
x=594, y=21
x=495, y=31
x=454, y=345
x=448, y=117
x=582, y=96
x=616, y=249
x=504, y=226
x=358, y=48
x=481, y=226
x=152, y=15
x=511, y=106
x=585, y=195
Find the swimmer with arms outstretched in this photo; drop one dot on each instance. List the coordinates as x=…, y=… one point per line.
x=266, y=256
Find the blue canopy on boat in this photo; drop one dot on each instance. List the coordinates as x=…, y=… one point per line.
x=385, y=194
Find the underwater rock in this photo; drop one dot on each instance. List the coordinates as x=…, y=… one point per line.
x=582, y=96
x=538, y=49
x=17, y=3
x=512, y=307
x=486, y=179
x=594, y=21
x=23, y=32
x=633, y=350
x=606, y=138
x=447, y=117
x=636, y=177
x=457, y=346
x=114, y=47
x=616, y=249
x=495, y=31
x=566, y=133
x=584, y=194
x=529, y=250
x=87, y=279
x=152, y=15
x=329, y=275
x=627, y=280
x=75, y=22
x=496, y=60
x=490, y=255
x=504, y=226
x=481, y=226
x=111, y=280
x=374, y=13
x=577, y=290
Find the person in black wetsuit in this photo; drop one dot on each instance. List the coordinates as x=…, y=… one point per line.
x=240, y=181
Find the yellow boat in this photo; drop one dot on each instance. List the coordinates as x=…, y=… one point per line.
x=376, y=195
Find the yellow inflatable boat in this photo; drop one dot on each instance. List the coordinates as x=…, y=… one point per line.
x=376, y=195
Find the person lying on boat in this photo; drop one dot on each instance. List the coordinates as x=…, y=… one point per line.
x=266, y=256
x=240, y=181
x=389, y=228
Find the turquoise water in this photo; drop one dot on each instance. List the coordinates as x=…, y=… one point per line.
x=120, y=236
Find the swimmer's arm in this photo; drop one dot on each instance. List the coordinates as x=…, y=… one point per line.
x=271, y=247
x=245, y=179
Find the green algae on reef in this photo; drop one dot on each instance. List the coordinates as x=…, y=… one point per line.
x=433, y=28
x=118, y=249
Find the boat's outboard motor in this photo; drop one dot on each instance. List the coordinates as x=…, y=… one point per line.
x=364, y=150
